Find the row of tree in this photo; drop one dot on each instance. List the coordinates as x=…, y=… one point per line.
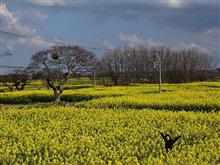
x=126, y=65
x=120, y=66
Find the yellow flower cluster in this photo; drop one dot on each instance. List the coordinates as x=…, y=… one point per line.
x=104, y=136
x=190, y=97
x=118, y=125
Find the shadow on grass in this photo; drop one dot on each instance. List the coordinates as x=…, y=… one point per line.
x=78, y=87
x=184, y=107
x=157, y=92
x=36, y=98
x=210, y=86
x=29, y=99
x=170, y=107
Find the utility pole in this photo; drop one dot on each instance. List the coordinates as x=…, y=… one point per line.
x=94, y=73
x=94, y=76
x=158, y=55
x=159, y=68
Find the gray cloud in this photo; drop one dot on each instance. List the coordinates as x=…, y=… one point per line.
x=211, y=38
x=188, y=15
x=200, y=18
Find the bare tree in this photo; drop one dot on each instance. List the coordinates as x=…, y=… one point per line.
x=17, y=79
x=7, y=82
x=125, y=65
x=59, y=63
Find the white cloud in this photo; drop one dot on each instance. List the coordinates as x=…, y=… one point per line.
x=31, y=15
x=170, y=3
x=10, y=21
x=174, y=3
x=131, y=40
x=48, y=2
x=108, y=44
x=152, y=43
x=211, y=38
x=7, y=17
x=191, y=45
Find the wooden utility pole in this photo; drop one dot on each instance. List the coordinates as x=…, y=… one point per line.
x=94, y=77
x=159, y=68
x=158, y=55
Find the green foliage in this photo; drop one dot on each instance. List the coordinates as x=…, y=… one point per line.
x=188, y=97
x=34, y=96
x=55, y=56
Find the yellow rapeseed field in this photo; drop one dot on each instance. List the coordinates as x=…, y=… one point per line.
x=112, y=125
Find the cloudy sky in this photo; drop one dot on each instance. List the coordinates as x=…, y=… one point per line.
x=108, y=24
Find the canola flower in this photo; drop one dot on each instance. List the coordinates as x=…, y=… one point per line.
x=112, y=125
x=104, y=136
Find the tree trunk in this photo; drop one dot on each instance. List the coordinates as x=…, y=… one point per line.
x=57, y=94
x=10, y=87
x=19, y=88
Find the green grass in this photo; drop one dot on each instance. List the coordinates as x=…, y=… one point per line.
x=190, y=97
x=73, y=83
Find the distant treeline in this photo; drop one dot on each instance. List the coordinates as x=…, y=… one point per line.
x=125, y=65
x=119, y=66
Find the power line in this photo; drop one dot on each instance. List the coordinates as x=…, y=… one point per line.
x=5, y=54
x=49, y=41
x=26, y=67
x=12, y=67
